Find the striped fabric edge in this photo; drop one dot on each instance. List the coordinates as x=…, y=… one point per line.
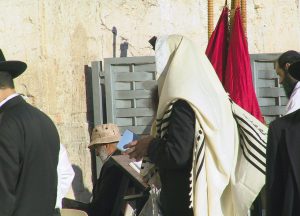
x=148, y=169
x=198, y=160
x=253, y=138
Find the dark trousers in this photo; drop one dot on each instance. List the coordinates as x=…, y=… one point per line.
x=56, y=212
x=73, y=204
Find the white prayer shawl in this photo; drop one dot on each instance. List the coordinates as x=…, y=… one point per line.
x=223, y=181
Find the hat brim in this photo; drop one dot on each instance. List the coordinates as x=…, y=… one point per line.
x=294, y=70
x=104, y=140
x=14, y=68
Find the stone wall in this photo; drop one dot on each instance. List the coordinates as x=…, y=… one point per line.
x=58, y=39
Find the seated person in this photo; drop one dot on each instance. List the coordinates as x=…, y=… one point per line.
x=104, y=140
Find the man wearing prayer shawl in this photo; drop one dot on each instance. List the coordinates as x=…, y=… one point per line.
x=209, y=154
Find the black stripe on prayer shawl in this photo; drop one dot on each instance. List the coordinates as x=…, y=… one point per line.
x=166, y=112
x=246, y=123
x=248, y=159
x=161, y=130
x=163, y=121
x=200, y=167
x=245, y=140
x=251, y=153
x=252, y=133
x=252, y=144
x=245, y=131
x=199, y=151
x=255, y=162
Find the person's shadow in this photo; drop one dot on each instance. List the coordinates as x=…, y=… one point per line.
x=81, y=193
x=123, y=48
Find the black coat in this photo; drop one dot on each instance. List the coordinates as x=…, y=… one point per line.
x=29, y=146
x=106, y=189
x=173, y=157
x=283, y=166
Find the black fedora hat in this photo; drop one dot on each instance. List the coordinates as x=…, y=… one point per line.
x=14, y=68
x=294, y=70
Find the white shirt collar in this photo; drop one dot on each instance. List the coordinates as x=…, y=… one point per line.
x=8, y=98
x=294, y=101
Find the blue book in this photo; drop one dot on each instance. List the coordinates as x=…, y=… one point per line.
x=127, y=137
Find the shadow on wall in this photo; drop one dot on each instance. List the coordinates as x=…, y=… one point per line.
x=81, y=193
x=124, y=48
x=115, y=33
x=89, y=96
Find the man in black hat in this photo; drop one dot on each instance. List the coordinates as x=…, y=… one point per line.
x=29, y=146
x=283, y=161
x=290, y=85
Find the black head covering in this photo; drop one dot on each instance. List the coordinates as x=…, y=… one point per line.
x=14, y=68
x=294, y=70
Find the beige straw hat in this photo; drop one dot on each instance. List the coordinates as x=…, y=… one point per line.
x=105, y=133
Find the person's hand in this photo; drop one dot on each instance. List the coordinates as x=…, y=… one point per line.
x=138, y=149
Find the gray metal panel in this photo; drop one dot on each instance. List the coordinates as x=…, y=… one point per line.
x=98, y=113
x=270, y=94
x=133, y=112
x=128, y=96
x=132, y=94
x=273, y=110
x=141, y=76
x=97, y=94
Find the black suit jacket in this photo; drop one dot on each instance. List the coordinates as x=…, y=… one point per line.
x=29, y=146
x=283, y=166
x=106, y=189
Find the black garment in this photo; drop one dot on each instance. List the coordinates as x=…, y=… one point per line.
x=283, y=166
x=105, y=190
x=173, y=157
x=56, y=212
x=29, y=146
x=74, y=204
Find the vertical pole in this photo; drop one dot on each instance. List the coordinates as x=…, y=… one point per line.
x=234, y=5
x=231, y=15
x=210, y=20
x=244, y=15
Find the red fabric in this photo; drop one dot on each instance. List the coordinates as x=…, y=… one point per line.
x=216, y=50
x=238, y=82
